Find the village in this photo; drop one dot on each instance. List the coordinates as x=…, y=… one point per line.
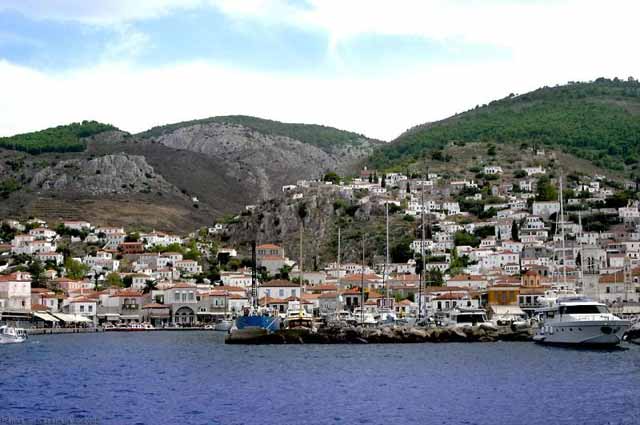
x=499, y=245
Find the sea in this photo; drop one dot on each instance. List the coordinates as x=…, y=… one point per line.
x=181, y=377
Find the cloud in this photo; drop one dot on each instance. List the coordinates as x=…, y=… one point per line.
x=97, y=12
x=548, y=43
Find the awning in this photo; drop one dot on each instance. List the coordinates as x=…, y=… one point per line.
x=72, y=318
x=507, y=310
x=45, y=316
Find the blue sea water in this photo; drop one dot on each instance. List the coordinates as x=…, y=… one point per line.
x=193, y=378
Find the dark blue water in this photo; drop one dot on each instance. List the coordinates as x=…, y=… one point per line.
x=192, y=378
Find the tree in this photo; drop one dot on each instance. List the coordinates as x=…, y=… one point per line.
x=408, y=187
x=149, y=286
x=132, y=237
x=514, y=231
x=400, y=252
x=332, y=177
x=491, y=151
x=127, y=281
x=75, y=269
x=37, y=274
x=113, y=279
x=383, y=182
x=545, y=191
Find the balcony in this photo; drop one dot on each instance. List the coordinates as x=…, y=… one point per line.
x=130, y=306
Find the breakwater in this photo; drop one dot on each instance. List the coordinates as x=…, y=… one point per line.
x=381, y=335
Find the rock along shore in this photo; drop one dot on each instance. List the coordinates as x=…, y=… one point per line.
x=381, y=335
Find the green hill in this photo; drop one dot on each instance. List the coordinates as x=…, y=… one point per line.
x=63, y=138
x=318, y=135
x=598, y=121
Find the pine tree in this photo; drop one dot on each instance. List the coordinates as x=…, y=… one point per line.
x=514, y=231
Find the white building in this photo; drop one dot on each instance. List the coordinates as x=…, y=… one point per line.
x=15, y=292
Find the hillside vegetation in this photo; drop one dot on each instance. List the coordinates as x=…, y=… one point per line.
x=63, y=138
x=598, y=121
x=321, y=136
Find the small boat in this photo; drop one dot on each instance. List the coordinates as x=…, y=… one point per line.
x=461, y=317
x=224, y=325
x=298, y=318
x=11, y=335
x=387, y=316
x=364, y=318
x=579, y=321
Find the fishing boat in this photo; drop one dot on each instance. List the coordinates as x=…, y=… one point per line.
x=579, y=321
x=297, y=318
x=11, y=335
x=255, y=318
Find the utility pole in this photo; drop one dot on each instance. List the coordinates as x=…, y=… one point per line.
x=423, y=272
x=301, y=269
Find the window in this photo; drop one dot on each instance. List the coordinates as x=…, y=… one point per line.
x=90, y=308
x=191, y=296
x=177, y=296
x=293, y=292
x=281, y=293
x=184, y=297
x=81, y=309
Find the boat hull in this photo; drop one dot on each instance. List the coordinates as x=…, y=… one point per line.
x=271, y=324
x=592, y=333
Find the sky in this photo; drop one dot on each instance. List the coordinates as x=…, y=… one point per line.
x=371, y=66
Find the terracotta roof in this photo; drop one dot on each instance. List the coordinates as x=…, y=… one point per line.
x=128, y=293
x=38, y=307
x=268, y=246
x=280, y=283
x=183, y=285
x=155, y=305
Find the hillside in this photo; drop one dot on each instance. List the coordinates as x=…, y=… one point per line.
x=323, y=137
x=174, y=177
x=64, y=138
x=598, y=121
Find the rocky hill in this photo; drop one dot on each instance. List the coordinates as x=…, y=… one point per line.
x=175, y=177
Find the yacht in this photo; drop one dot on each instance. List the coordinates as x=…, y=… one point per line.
x=579, y=321
x=462, y=317
x=364, y=318
x=10, y=335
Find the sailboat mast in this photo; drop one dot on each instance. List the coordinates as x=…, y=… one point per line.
x=423, y=274
x=362, y=285
x=301, y=268
x=338, y=286
x=254, y=276
x=386, y=258
x=564, y=260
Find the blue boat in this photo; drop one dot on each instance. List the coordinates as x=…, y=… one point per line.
x=268, y=323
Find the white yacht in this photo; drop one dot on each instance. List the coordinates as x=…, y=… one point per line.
x=298, y=318
x=464, y=317
x=579, y=321
x=364, y=318
x=10, y=335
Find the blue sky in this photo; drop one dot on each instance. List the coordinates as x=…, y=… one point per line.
x=376, y=67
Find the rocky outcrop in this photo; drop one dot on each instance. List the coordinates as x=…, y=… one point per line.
x=264, y=161
x=109, y=174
